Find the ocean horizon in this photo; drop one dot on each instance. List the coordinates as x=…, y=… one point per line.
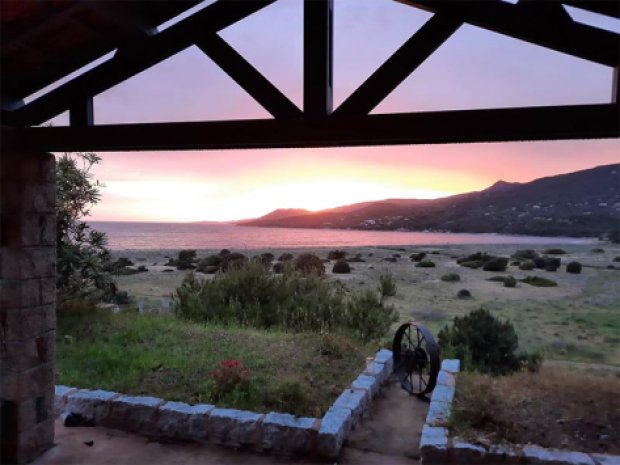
x=126, y=235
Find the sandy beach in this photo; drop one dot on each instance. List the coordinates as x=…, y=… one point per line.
x=579, y=320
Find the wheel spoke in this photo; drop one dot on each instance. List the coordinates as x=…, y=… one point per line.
x=409, y=337
x=418, y=333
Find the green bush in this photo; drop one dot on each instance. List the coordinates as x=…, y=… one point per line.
x=496, y=264
x=417, y=257
x=527, y=265
x=341, y=267
x=539, y=282
x=510, y=281
x=309, y=264
x=286, y=257
x=573, y=267
x=387, y=285
x=336, y=254
x=209, y=262
x=482, y=343
x=185, y=260
x=525, y=254
x=451, y=277
x=295, y=301
x=425, y=264
x=554, y=251
x=473, y=264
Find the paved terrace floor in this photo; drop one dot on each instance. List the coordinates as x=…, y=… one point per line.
x=389, y=435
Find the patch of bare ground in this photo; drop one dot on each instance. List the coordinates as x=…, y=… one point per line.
x=554, y=408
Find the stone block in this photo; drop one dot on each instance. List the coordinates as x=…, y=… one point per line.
x=367, y=383
x=335, y=427
x=31, y=229
x=133, y=413
x=234, y=428
x=60, y=398
x=47, y=289
x=443, y=393
x=198, y=421
x=446, y=379
x=173, y=420
x=385, y=357
x=605, y=459
x=464, y=452
x=451, y=365
x=286, y=433
x=91, y=404
x=28, y=413
x=19, y=324
x=434, y=445
x=19, y=293
x=438, y=413
x=355, y=400
x=506, y=455
x=28, y=445
x=26, y=263
x=378, y=370
x=34, y=382
x=542, y=456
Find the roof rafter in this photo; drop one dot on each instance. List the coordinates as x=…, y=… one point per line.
x=589, y=43
x=122, y=66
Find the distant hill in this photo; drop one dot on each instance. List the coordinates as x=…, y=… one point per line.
x=579, y=204
x=278, y=214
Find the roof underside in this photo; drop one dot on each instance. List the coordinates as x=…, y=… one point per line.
x=46, y=41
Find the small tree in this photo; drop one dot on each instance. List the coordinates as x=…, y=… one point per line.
x=82, y=256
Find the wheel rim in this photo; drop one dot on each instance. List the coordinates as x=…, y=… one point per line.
x=416, y=359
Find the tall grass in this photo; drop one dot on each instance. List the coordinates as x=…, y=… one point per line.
x=251, y=296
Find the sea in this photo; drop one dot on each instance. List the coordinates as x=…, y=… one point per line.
x=149, y=236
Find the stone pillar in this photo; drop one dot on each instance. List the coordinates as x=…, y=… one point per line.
x=27, y=303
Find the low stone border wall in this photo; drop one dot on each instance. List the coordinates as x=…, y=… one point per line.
x=273, y=432
x=437, y=448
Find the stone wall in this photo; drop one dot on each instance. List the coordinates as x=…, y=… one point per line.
x=277, y=433
x=27, y=304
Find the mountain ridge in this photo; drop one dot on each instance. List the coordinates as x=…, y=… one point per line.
x=579, y=204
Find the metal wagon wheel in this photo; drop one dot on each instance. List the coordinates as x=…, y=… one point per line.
x=416, y=359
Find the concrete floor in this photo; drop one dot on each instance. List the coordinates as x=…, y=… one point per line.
x=389, y=435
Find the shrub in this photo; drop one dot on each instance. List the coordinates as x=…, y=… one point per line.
x=616, y=259
x=309, y=264
x=285, y=257
x=425, y=264
x=208, y=262
x=554, y=251
x=123, y=261
x=341, y=267
x=451, y=277
x=387, y=285
x=295, y=301
x=390, y=259
x=278, y=267
x=463, y=294
x=233, y=260
x=473, y=264
x=185, y=259
x=573, y=267
x=496, y=264
x=142, y=269
x=539, y=282
x=525, y=254
x=336, y=254
x=598, y=250
x=417, y=257
x=510, y=281
x=224, y=252
x=527, y=265
x=482, y=342
x=356, y=260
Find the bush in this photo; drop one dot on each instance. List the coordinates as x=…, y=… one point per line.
x=142, y=269
x=295, y=301
x=185, y=260
x=473, y=264
x=539, y=282
x=286, y=257
x=309, y=264
x=387, y=285
x=525, y=254
x=230, y=376
x=451, y=277
x=482, y=343
x=209, y=262
x=425, y=264
x=233, y=260
x=527, y=265
x=390, y=259
x=336, y=254
x=554, y=251
x=463, y=294
x=573, y=267
x=341, y=267
x=616, y=259
x=417, y=257
x=510, y=281
x=496, y=264
x=598, y=250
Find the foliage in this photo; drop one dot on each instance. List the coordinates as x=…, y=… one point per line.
x=336, y=254
x=387, y=285
x=82, y=257
x=525, y=254
x=185, y=260
x=417, y=257
x=309, y=263
x=483, y=343
x=573, y=267
x=252, y=297
x=341, y=267
x=496, y=264
x=425, y=264
x=451, y=277
x=537, y=281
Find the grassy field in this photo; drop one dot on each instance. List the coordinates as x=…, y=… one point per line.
x=579, y=320
x=172, y=359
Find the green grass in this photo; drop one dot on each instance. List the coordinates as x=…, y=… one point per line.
x=164, y=357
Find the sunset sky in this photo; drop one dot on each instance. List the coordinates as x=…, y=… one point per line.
x=473, y=69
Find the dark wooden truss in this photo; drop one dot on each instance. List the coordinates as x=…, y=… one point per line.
x=318, y=124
